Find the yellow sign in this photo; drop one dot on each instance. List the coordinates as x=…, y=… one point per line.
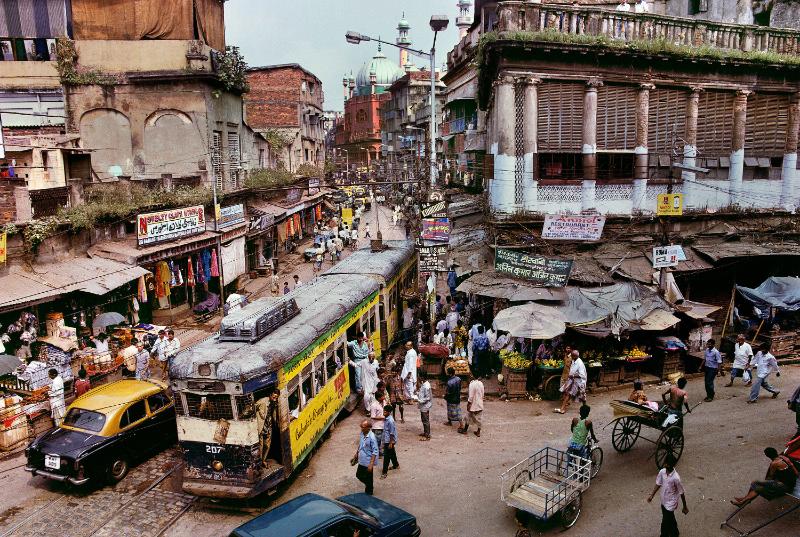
x=669, y=205
x=2, y=247
x=217, y=212
x=347, y=216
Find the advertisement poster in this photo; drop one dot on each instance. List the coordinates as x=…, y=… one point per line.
x=573, y=227
x=543, y=271
x=3, y=252
x=434, y=210
x=432, y=258
x=669, y=205
x=667, y=256
x=231, y=216
x=165, y=226
x=436, y=229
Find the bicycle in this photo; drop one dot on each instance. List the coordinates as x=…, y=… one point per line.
x=596, y=456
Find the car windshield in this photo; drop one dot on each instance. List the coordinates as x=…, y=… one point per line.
x=358, y=512
x=85, y=419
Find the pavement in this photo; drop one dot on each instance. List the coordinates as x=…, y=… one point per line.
x=452, y=482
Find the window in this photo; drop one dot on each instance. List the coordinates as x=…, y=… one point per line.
x=372, y=325
x=361, y=115
x=615, y=165
x=216, y=157
x=319, y=373
x=341, y=357
x=209, y=406
x=85, y=419
x=303, y=86
x=330, y=365
x=307, y=386
x=560, y=166
x=245, y=409
x=157, y=402
x=294, y=400
x=234, y=158
x=134, y=413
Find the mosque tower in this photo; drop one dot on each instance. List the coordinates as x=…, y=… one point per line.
x=464, y=19
x=403, y=41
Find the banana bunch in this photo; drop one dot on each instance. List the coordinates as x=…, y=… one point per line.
x=515, y=360
x=552, y=363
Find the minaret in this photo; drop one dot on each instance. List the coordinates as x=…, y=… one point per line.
x=464, y=19
x=403, y=41
x=345, y=83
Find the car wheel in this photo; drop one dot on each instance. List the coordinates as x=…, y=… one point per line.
x=117, y=470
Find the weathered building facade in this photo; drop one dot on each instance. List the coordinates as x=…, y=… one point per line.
x=406, y=115
x=288, y=100
x=599, y=127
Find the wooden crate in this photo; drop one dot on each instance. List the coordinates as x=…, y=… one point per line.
x=780, y=344
x=670, y=365
x=610, y=373
x=516, y=382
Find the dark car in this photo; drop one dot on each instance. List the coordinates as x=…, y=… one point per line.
x=104, y=431
x=311, y=515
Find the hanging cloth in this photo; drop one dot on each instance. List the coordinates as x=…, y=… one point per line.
x=189, y=273
x=159, y=281
x=200, y=277
x=163, y=279
x=214, y=264
x=172, y=280
x=297, y=225
x=141, y=292
x=207, y=264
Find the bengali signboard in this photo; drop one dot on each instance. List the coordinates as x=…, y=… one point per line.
x=432, y=258
x=163, y=226
x=313, y=186
x=436, y=209
x=667, y=256
x=669, y=205
x=436, y=229
x=573, y=227
x=543, y=271
x=231, y=216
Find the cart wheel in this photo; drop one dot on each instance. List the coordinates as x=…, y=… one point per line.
x=551, y=388
x=597, y=460
x=570, y=514
x=669, y=443
x=626, y=432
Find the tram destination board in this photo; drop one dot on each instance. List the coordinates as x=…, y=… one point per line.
x=543, y=271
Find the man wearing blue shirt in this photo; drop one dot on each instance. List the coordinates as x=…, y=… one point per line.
x=712, y=363
x=451, y=280
x=389, y=441
x=366, y=455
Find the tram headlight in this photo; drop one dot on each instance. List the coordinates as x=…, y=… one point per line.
x=217, y=466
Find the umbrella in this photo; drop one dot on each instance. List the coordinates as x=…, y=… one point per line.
x=107, y=319
x=8, y=364
x=531, y=321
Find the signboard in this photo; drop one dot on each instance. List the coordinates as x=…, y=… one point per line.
x=3, y=250
x=347, y=216
x=573, y=227
x=669, y=205
x=435, y=196
x=537, y=269
x=313, y=186
x=230, y=216
x=432, y=259
x=165, y=226
x=436, y=229
x=294, y=195
x=434, y=210
x=667, y=256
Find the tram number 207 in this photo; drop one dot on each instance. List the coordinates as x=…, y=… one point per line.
x=214, y=449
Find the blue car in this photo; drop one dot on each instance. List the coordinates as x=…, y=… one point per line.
x=311, y=515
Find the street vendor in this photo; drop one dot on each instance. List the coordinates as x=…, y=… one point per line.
x=56, y=395
x=575, y=387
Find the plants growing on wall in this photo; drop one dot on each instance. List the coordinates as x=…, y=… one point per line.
x=277, y=139
x=270, y=178
x=309, y=170
x=71, y=73
x=232, y=70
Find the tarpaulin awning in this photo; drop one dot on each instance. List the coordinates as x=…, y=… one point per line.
x=659, y=320
x=469, y=260
x=719, y=251
x=623, y=306
x=697, y=310
x=495, y=285
x=782, y=292
x=42, y=282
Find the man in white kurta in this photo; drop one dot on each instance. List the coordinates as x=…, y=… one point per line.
x=56, y=395
x=369, y=378
x=409, y=373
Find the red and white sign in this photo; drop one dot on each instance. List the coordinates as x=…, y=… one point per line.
x=163, y=226
x=573, y=227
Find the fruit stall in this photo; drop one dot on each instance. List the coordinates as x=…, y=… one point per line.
x=515, y=371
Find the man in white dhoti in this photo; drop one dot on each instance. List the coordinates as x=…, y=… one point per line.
x=369, y=378
x=409, y=373
x=575, y=386
x=56, y=394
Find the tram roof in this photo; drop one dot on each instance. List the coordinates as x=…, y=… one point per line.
x=322, y=303
x=385, y=263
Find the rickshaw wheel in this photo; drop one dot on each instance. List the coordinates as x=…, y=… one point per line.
x=552, y=388
x=626, y=432
x=570, y=513
x=669, y=443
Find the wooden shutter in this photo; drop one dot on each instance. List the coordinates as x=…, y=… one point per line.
x=766, y=124
x=715, y=123
x=216, y=158
x=667, y=120
x=560, y=121
x=616, y=118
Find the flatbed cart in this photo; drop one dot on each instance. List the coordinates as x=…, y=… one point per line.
x=629, y=418
x=548, y=483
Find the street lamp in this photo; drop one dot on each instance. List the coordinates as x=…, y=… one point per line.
x=438, y=24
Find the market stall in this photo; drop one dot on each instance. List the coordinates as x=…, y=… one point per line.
x=776, y=305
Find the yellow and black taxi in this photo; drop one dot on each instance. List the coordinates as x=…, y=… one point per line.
x=104, y=431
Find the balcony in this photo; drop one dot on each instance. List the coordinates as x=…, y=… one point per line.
x=646, y=31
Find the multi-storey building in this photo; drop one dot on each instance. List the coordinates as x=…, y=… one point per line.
x=288, y=100
x=406, y=115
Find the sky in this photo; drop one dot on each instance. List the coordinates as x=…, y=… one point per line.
x=311, y=33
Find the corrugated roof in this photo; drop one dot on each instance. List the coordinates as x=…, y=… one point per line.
x=42, y=282
x=718, y=251
x=497, y=286
x=126, y=251
x=322, y=303
x=383, y=264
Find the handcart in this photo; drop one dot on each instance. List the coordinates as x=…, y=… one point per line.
x=629, y=418
x=548, y=483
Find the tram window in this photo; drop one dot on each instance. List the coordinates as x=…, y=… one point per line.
x=294, y=401
x=340, y=355
x=372, y=326
x=330, y=366
x=307, y=385
x=319, y=373
x=210, y=406
x=245, y=409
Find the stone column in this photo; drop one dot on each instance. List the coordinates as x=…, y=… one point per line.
x=736, y=171
x=641, y=162
x=530, y=142
x=789, y=191
x=690, y=150
x=589, y=144
x=501, y=186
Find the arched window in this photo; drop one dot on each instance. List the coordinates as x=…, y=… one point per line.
x=361, y=115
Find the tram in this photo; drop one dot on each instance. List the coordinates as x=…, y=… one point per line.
x=295, y=344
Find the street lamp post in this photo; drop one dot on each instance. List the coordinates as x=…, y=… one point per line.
x=438, y=24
